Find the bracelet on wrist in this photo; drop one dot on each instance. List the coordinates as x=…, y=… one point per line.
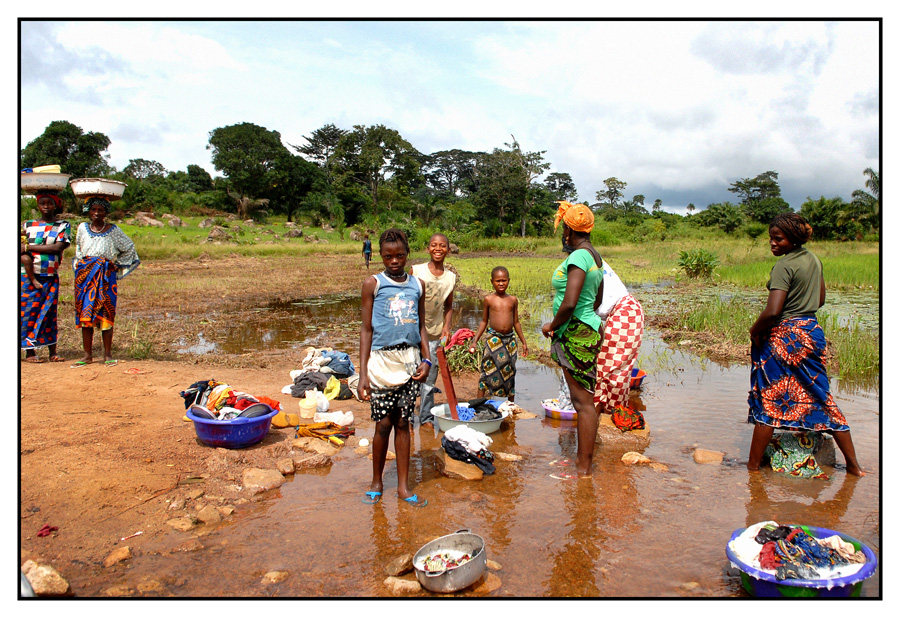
x=428, y=362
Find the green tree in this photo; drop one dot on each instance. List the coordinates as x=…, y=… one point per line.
x=375, y=155
x=247, y=154
x=691, y=208
x=561, y=186
x=657, y=205
x=533, y=166
x=142, y=169
x=320, y=146
x=450, y=172
x=761, y=196
x=823, y=216
x=293, y=178
x=194, y=180
x=727, y=216
x=76, y=152
x=501, y=187
x=865, y=206
x=613, y=193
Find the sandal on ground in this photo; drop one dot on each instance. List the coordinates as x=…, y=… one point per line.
x=56, y=359
x=81, y=363
x=371, y=497
x=33, y=359
x=416, y=501
x=564, y=476
x=561, y=462
x=111, y=363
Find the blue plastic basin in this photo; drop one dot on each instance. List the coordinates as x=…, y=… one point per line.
x=236, y=433
x=762, y=584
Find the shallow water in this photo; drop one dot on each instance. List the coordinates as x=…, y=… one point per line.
x=628, y=532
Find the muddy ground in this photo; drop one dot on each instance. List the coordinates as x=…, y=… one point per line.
x=105, y=452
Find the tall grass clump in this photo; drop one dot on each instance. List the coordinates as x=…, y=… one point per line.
x=698, y=263
x=854, y=351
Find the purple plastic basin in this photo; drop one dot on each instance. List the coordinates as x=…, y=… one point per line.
x=762, y=584
x=236, y=433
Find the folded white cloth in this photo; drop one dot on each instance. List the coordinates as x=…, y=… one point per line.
x=345, y=419
x=470, y=439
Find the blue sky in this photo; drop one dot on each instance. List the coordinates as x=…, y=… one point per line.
x=678, y=110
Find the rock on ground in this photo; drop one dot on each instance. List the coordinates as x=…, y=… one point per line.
x=209, y=515
x=455, y=469
x=285, y=466
x=704, y=456
x=390, y=456
x=507, y=456
x=117, y=555
x=494, y=566
x=399, y=565
x=275, y=577
x=401, y=587
x=225, y=511
x=631, y=458
x=181, y=523
x=119, y=591
x=45, y=580
x=489, y=584
x=256, y=480
x=309, y=462
x=315, y=445
x=611, y=436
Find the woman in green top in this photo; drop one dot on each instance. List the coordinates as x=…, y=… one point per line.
x=576, y=329
x=788, y=384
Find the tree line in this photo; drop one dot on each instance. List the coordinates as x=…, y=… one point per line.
x=371, y=176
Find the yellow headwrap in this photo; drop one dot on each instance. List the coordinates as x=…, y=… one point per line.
x=578, y=217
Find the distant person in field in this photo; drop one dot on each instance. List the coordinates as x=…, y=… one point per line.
x=367, y=250
x=576, y=330
x=500, y=319
x=394, y=360
x=439, y=285
x=40, y=254
x=789, y=387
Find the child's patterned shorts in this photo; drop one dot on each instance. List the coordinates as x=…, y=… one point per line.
x=402, y=398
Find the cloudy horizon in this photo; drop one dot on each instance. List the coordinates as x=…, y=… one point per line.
x=678, y=110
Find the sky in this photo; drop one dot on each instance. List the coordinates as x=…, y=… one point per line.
x=678, y=110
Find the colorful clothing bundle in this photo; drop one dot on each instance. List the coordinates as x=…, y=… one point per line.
x=788, y=384
x=498, y=364
x=794, y=454
x=791, y=553
x=627, y=419
x=468, y=445
x=327, y=431
x=460, y=336
x=220, y=400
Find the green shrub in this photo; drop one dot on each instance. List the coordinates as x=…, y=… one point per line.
x=697, y=263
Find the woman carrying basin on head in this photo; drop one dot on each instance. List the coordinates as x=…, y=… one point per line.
x=576, y=330
x=789, y=387
x=103, y=253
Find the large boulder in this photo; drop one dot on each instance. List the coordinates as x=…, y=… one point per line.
x=256, y=480
x=207, y=223
x=175, y=222
x=455, y=469
x=356, y=235
x=218, y=233
x=611, y=436
x=45, y=580
x=293, y=233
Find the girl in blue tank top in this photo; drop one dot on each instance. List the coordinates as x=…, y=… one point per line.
x=394, y=359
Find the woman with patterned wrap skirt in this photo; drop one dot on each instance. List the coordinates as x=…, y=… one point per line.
x=103, y=253
x=789, y=387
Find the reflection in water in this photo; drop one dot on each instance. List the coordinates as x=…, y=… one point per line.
x=814, y=502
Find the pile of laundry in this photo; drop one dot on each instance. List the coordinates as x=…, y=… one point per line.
x=458, y=338
x=788, y=552
x=218, y=401
x=327, y=431
x=468, y=445
x=326, y=371
x=445, y=560
x=482, y=409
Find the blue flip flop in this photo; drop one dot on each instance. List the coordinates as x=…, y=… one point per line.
x=371, y=497
x=414, y=500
